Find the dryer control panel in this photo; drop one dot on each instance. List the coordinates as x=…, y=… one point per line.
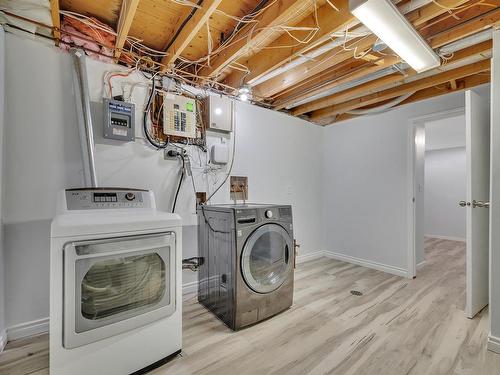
x=107, y=198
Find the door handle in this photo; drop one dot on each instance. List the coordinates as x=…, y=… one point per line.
x=462, y=203
x=480, y=204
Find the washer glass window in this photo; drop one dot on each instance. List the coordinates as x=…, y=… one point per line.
x=266, y=258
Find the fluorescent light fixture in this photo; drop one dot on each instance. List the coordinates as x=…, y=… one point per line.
x=384, y=20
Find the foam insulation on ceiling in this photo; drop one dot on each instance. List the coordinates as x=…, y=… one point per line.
x=37, y=10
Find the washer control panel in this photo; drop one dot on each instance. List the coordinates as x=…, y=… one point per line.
x=104, y=198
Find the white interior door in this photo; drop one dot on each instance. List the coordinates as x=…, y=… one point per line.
x=477, y=116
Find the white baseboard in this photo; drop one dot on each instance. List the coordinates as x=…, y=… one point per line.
x=494, y=343
x=3, y=340
x=310, y=256
x=420, y=265
x=35, y=327
x=459, y=239
x=367, y=263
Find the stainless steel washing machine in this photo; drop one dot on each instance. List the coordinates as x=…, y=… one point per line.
x=248, y=261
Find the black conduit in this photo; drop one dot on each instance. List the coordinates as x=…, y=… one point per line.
x=183, y=24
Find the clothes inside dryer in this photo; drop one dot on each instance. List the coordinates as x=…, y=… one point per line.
x=115, y=285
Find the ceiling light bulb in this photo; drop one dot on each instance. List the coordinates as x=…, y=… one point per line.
x=244, y=97
x=244, y=90
x=218, y=111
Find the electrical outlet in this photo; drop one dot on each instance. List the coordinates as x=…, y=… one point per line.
x=171, y=153
x=238, y=188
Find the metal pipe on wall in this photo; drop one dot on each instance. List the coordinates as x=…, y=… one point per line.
x=84, y=117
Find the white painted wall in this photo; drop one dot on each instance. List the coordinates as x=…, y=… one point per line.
x=445, y=186
x=366, y=181
x=277, y=152
x=494, y=337
x=2, y=258
x=443, y=133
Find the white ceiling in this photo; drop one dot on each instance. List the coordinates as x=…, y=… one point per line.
x=445, y=133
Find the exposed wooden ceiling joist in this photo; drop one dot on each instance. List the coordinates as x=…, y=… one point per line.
x=381, y=64
x=463, y=30
x=189, y=31
x=330, y=112
x=304, y=71
x=289, y=46
x=337, y=55
x=257, y=35
x=453, y=18
x=329, y=20
x=127, y=13
x=326, y=76
x=56, y=20
x=431, y=92
x=383, y=82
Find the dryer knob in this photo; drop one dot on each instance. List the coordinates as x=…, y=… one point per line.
x=269, y=214
x=130, y=196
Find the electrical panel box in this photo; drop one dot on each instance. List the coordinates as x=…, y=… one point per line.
x=218, y=113
x=179, y=116
x=119, y=120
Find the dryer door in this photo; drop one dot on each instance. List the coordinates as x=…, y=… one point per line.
x=267, y=258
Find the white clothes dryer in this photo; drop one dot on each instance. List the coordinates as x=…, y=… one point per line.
x=115, y=283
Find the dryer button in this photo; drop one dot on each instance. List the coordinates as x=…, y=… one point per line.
x=269, y=214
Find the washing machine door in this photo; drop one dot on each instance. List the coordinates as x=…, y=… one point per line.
x=266, y=259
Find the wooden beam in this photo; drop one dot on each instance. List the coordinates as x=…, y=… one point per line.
x=284, y=48
x=322, y=78
x=258, y=35
x=127, y=14
x=208, y=7
x=446, y=21
x=338, y=80
x=56, y=20
x=426, y=13
x=438, y=79
x=464, y=30
x=431, y=92
x=306, y=70
x=383, y=83
x=330, y=21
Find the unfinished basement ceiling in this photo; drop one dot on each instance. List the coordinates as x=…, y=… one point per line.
x=310, y=58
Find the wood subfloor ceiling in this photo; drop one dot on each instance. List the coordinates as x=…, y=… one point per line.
x=398, y=326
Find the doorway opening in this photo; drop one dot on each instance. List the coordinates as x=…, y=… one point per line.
x=442, y=185
x=448, y=196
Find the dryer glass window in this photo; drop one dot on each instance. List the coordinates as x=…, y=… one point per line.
x=121, y=284
x=266, y=258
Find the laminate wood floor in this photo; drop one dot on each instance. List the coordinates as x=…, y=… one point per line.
x=397, y=326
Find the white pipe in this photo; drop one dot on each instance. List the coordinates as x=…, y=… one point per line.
x=477, y=38
x=84, y=117
x=360, y=31
x=382, y=108
x=447, y=49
